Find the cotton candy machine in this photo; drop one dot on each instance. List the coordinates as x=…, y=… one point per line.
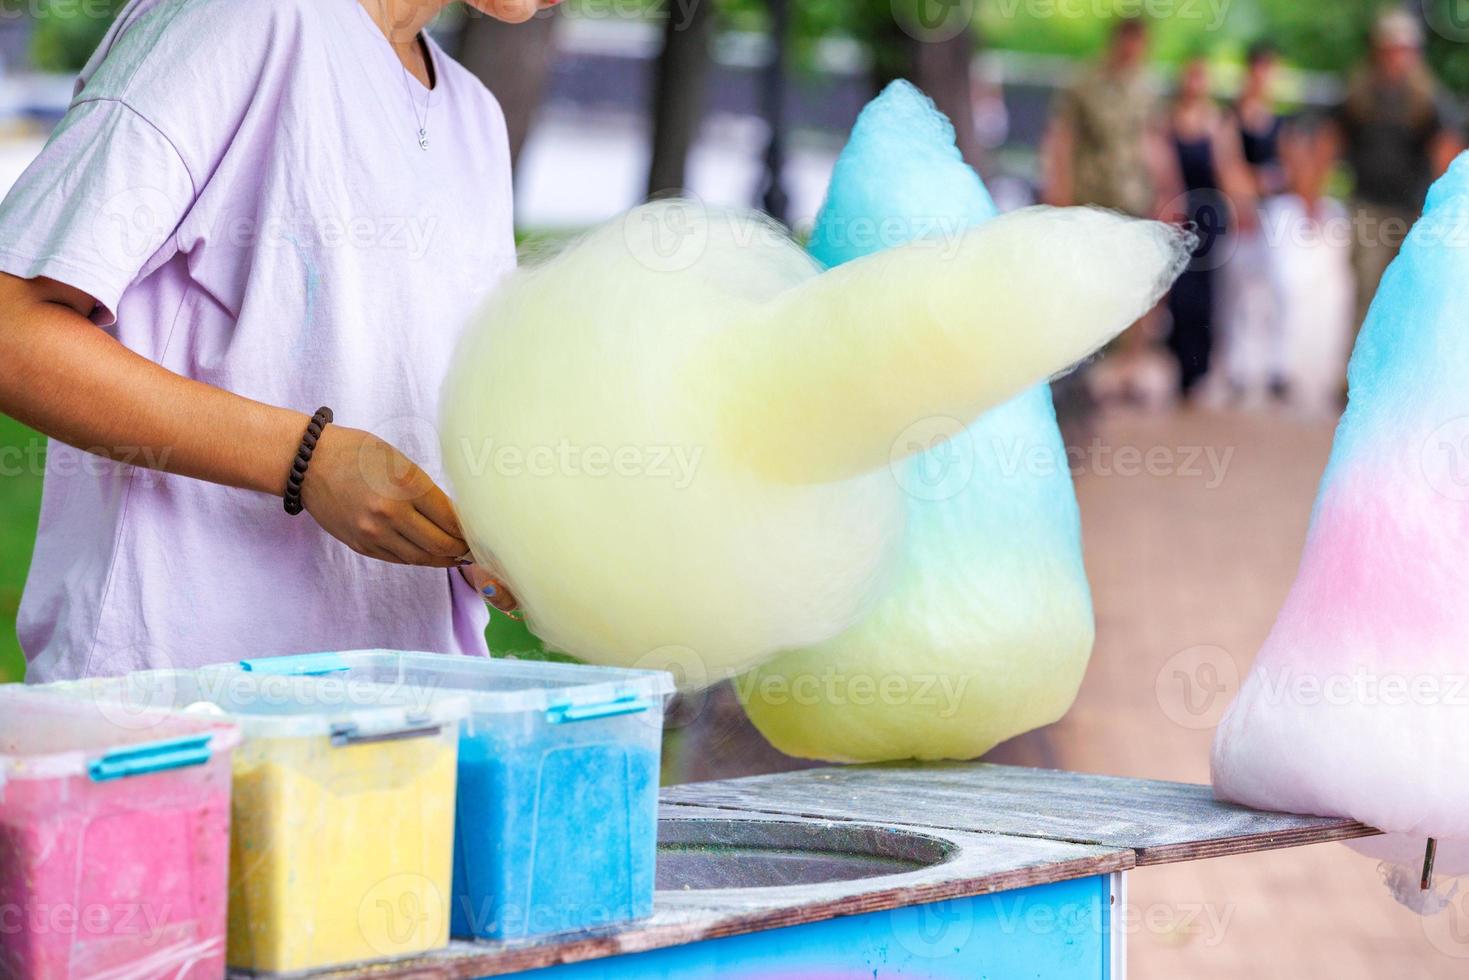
x=709, y=854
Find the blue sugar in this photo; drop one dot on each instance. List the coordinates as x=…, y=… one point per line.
x=555, y=836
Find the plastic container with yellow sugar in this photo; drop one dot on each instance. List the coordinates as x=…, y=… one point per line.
x=558, y=784
x=342, y=816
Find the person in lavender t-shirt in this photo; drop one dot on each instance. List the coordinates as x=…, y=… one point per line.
x=251, y=210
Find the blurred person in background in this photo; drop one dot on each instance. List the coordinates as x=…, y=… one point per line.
x=1248, y=349
x=1310, y=270
x=1254, y=115
x=1105, y=146
x=1216, y=193
x=1397, y=134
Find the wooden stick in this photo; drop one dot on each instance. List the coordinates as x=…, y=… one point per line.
x=1429, y=854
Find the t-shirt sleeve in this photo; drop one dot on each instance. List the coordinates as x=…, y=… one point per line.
x=99, y=207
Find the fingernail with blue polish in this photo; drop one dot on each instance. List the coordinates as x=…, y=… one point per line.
x=489, y=590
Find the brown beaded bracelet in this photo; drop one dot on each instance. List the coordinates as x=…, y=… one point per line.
x=292, y=497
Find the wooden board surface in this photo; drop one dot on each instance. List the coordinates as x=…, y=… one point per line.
x=1007, y=827
x=980, y=864
x=1162, y=822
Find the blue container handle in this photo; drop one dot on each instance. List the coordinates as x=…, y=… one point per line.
x=563, y=713
x=136, y=760
x=303, y=664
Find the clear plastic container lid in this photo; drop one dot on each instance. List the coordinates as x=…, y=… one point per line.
x=46, y=735
x=274, y=705
x=493, y=686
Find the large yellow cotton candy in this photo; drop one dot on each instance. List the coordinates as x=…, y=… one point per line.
x=673, y=439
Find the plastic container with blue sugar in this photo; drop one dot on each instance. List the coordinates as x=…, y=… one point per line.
x=557, y=814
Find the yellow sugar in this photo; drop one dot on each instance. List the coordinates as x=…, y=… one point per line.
x=339, y=854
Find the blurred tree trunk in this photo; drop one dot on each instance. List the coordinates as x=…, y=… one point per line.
x=514, y=62
x=678, y=92
x=940, y=67
x=773, y=81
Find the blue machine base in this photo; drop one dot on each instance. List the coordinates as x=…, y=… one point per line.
x=1062, y=931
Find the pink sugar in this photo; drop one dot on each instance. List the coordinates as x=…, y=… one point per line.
x=126, y=875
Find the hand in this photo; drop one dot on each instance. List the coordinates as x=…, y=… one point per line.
x=377, y=502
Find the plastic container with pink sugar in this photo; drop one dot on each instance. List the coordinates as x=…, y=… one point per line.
x=114, y=840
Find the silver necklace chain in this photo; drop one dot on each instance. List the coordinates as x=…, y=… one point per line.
x=421, y=116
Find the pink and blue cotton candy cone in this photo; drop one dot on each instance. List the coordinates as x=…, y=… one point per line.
x=1358, y=703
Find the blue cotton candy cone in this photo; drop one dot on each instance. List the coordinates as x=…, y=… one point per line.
x=986, y=626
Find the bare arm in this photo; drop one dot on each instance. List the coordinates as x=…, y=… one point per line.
x=63, y=376
x=66, y=378
x=1057, y=151
x=1446, y=145
x=1235, y=178
x=1164, y=169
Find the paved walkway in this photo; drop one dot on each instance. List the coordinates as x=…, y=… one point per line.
x=1188, y=570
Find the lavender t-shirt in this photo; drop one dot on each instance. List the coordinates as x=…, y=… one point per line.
x=241, y=188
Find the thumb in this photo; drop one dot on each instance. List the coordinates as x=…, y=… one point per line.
x=496, y=592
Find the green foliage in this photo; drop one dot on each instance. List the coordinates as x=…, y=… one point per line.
x=66, y=32
x=1178, y=29
x=1318, y=35
x=22, y=454
x=1075, y=28
x=1321, y=43
x=509, y=638
x=1448, y=42
x=1334, y=37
